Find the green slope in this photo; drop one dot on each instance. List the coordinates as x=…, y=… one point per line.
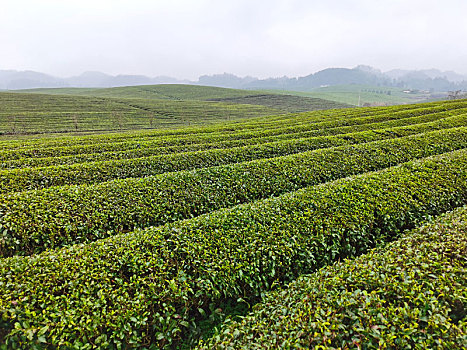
x=162, y=91
x=289, y=103
x=22, y=113
x=364, y=94
x=283, y=102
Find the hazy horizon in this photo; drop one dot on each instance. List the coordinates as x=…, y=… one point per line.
x=185, y=40
x=195, y=79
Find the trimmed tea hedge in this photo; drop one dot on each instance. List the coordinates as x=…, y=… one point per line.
x=441, y=120
x=87, y=173
x=411, y=294
x=148, y=288
x=189, y=139
x=255, y=123
x=34, y=220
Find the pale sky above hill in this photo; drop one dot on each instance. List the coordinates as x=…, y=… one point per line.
x=185, y=39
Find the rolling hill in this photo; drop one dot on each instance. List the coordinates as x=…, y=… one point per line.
x=364, y=95
x=27, y=113
x=140, y=107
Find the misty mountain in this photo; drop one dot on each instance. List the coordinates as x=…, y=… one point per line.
x=363, y=75
x=98, y=79
x=433, y=80
x=429, y=79
x=342, y=76
x=426, y=74
x=15, y=80
x=225, y=80
x=89, y=79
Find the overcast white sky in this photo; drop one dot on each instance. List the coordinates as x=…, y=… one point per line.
x=185, y=39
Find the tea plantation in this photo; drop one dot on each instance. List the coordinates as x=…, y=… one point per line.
x=329, y=229
x=140, y=107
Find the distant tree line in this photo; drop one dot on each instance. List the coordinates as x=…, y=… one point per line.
x=457, y=95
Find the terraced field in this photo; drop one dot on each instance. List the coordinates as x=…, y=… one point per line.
x=151, y=239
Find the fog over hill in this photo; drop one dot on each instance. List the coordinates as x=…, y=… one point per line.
x=428, y=79
x=15, y=80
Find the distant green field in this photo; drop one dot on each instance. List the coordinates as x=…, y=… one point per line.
x=22, y=113
x=281, y=101
x=140, y=107
x=363, y=94
x=288, y=103
x=158, y=92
